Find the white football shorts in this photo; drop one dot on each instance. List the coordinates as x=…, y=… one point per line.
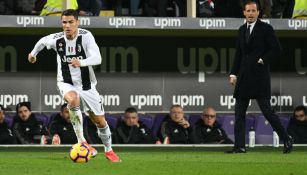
x=90, y=99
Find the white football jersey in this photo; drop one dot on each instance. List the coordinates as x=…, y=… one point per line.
x=82, y=47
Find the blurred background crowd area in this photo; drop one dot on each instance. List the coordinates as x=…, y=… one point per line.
x=154, y=8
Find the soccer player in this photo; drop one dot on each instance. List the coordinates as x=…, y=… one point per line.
x=77, y=52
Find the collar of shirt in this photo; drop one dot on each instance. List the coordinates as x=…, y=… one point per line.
x=251, y=26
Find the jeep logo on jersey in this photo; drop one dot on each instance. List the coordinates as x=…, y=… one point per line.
x=66, y=59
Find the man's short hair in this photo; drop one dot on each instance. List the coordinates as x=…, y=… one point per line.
x=250, y=2
x=176, y=106
x=63, y=107
x=300, y=108
x=1, y=108
x=70, y=12
x=131, y=110
x=21, y=104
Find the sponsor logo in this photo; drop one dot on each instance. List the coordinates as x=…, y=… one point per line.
x=167, y=22
x=189, y=100
x=56, y=100
x=120, y=59
x=300, y=68
x=85, y=21
x=229, y=101
x=30, y=20
x=68, y=59
x=7, y=100
x=10, y=53
x=110, y=100
x=304, y=101
x=212, y=23
x=145, y=100
x=283, y=100
x=122, y=22
x=53, y=100
x=207, y=59
x=297, y=24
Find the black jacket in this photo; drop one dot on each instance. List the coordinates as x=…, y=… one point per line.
x=176, y=133
x=207, y=134
x=64, y=129
x=6, y=135
x=28, y=132
x=133, y=134
x=253, y=79
x=298, y=130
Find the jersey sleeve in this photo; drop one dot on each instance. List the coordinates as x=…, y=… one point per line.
x=93, y=56
x=46, y=41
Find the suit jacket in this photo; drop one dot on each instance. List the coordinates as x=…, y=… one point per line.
x=253, y=79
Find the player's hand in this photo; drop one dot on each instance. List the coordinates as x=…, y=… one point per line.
x=233, y=80
x=75, y=63
x=31, y=58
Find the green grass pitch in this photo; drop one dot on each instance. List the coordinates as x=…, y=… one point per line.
x=156, y=161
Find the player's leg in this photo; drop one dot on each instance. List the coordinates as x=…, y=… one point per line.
x=93, y=106
x=73, y=100
x=104, y=134
x=71, y=96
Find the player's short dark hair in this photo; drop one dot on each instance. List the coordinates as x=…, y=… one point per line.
x=248, y=2
x=63, y=107
x=300, y=108
x=131, y=110
x=70, y=12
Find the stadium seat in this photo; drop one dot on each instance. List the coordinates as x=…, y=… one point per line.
x=158, y=119
x=263, y=131
x=51, y=118
x=147, y=120
x=284, y=119
x=113, y=119
x=227, y=124
x=9, y=120
x=194, y=118
x=42, y=118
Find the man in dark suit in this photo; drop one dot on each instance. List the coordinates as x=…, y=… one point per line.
x=250, y=74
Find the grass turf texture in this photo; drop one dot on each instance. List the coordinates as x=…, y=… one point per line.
x=157, y=161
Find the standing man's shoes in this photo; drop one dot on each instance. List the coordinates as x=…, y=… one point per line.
x=236, y=150
x=288, y=145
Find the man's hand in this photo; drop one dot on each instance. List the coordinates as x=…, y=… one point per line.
x=184, y=123
x=75, y=63
x=233, y=80
x=31, y=58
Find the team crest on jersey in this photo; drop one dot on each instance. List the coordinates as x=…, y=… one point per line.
x=60, y=47
x=79, y=48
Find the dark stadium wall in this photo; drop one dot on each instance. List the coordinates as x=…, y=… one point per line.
x=151, y=69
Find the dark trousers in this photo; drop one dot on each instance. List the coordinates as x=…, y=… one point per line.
x=265, y=107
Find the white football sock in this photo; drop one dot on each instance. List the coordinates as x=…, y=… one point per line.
x=77, y=123
x=105, y=136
